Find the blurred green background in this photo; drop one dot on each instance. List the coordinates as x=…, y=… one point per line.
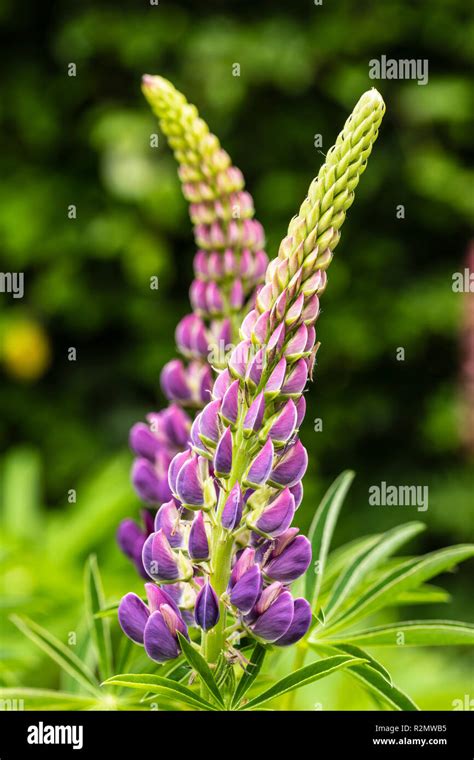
x=85, y=140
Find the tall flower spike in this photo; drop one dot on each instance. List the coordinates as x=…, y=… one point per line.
x=230, y=261
x=245, y=462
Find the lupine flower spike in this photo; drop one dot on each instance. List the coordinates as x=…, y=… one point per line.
x=234, y=552
x=229, y=264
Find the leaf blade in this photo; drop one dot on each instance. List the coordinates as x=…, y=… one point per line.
x=301, y=677
x=322, y=529
x=100, y=628
x=366, y=561
x=250, y=674
x=405, y=577
x=198, y=663
x=415, y=633
x=58, y=652
x=149, y=682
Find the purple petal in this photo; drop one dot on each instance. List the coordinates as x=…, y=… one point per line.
x=243, y=563
x=261, y=466
x=293, y=561
x=188, y=484
x=128, y=535
x=297, y=491
x=275, y=381
x=255, y=367
x=160, y=643
x=175, y=466
x=296, y=346
x=168, y=520
x=143, y=442
x=133, y=615
x=296, y=380
x=299, y=625
x=276, y=518
x=253, y=418
x=230, y=403
x=275, y=621
x=158, y=558
x=285, y=424
x=206, y=610
x=291, y=466
x=300, y=411
x=232, y=512
x=173, y=381
x=146, y=482
x=198, y=544
x=246, y=591
x=223, y=455
x=222, y=383
x=209, y=422
x=157, y=596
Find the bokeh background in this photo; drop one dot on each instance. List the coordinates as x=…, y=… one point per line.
x=85, y=140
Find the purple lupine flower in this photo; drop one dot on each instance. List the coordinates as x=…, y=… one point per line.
x=155, y=625
x=232, y=512
x=299, y=624
x=160, y=634
x=273, y=614
x=245, y=591
x=206, y=610
x=242, y=466
x=131, y=537
x=198, y=544
x=277, y=516
x=289, y=560
x=161, y=562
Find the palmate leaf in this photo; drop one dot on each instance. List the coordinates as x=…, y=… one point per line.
x=154, y=684
x=322, y=529
x=301, y=677
x=250, y=674
x=405, y=577
x=199, y=664
x=58, y=652
x=94, y=598
x=373, y=677
x=365, y=561
x=415, y=633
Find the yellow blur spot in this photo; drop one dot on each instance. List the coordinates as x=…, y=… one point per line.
x=26, y=350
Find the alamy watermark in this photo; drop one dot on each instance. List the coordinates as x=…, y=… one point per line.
x=385, y=495
x=12, y=282
x=406, y=68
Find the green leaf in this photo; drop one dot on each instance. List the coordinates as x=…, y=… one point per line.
x=94, y=596
x=199, y=664
x=415, y=633
x=339, y=558
x=373, y=676
x=409, y=575
x=21, y=492
x=249, y=675
x=374, y=682
x=46, y=699
x=302, y=677
x=58, y=652
x=322, y=529
x=159, y=685
x=425, y=594
x=367, y=560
